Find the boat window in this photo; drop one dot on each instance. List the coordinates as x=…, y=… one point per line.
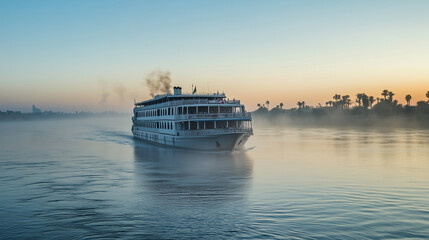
x=210, y=125
x=213, y=109
x=221, y=124
x=201, y=125
x=203, y=109
x=192, y=110
x=193, y=125
x=185, y=110
x=232, y=124
x=225, y=109
x=179, y=110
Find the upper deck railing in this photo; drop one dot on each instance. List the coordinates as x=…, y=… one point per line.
x=190, y=102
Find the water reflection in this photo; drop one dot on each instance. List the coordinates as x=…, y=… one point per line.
x=194, y=177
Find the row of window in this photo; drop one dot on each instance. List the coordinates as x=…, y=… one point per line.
x=189, y=110
x=194, y=125
x=158, y=125
x=156, y=112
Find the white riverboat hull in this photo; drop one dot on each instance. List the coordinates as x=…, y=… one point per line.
x=218, y=142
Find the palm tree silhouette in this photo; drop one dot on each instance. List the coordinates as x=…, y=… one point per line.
x=299, y=105
x=259, y=105
x=371, y=101
x=408, y=99
x=336, y=97
x=427, y=95
x=385, y=93
x=281, y=105
x=391, y=94
x=359, y=97
x=346, y=99
x=268, y=104
x=365, y=101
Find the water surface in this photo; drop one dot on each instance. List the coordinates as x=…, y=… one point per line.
x=73, y=179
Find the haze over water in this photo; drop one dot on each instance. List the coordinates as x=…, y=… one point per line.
x=90, y=178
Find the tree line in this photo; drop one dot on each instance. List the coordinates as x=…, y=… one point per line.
x=384, y=103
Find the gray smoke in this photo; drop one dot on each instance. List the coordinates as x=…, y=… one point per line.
x=120, y=90
x=107, y=91
x=104, y=96
x=158, y=82
x=104, y=92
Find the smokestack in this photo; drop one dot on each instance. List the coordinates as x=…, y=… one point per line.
x=177, y=90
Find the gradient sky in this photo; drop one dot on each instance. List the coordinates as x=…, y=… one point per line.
x=67, y=55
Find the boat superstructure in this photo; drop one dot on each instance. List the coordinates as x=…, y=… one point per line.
x=197, y=121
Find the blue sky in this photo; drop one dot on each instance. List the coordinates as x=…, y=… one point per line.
x=64, y=54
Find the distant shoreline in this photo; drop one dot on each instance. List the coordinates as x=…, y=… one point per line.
x=48, y=115
x=319, y=117
x=380, y=112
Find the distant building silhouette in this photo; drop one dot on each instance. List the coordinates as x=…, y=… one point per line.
x=36, y=110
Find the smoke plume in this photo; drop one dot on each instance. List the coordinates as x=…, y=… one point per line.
x=120, y=90
x=104, y=92
x=158, y=82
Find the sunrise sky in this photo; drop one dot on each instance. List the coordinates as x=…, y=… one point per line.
x=95, y=55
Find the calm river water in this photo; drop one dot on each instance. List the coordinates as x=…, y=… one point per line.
x=84, y=179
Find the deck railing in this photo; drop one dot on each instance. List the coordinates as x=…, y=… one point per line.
x=201, y=132
x=189, y=102
x=212, y=116
x=204, y=132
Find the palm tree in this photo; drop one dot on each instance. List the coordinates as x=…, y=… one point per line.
x=408, y=99
x=348, y=102
x=346, y=99
x=378, y=100
x=303, y=104
x=259, y=105
x=299, y=105
x=371, y=101
x=327, y=103
x=427, y=95
x=365, y=101
x=385, y=93
x=337, y=97
x=281, y=105
x=359, y=97
x=268, y=104
x=391, y=94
